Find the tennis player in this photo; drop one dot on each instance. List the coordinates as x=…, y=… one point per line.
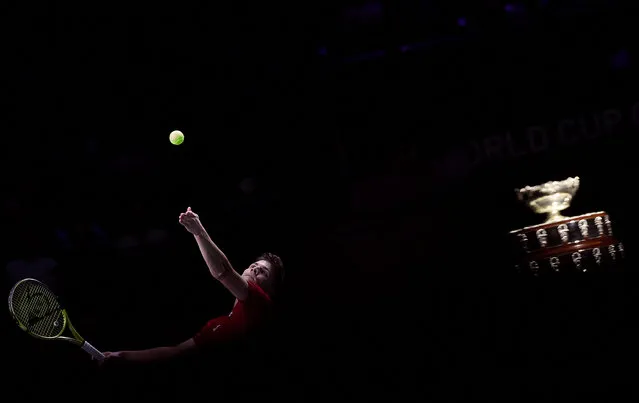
x=252, y=291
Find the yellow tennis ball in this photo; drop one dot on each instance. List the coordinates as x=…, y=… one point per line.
x=176, y=137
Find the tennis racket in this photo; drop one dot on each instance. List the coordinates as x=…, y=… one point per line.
x=37, y=311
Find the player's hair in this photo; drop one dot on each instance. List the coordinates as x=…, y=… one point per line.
x=278, y=266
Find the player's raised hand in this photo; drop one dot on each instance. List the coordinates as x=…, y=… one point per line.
x=191, y=222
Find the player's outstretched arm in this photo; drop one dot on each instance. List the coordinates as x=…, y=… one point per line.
x=150, y=355
x=218, y=264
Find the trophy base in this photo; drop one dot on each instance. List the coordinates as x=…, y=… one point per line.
x=573, y=244
x=595, y=256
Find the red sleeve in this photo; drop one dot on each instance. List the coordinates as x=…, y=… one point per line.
x=246, y=315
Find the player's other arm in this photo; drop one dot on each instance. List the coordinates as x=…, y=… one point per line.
x=215, y=259
x=152, y=354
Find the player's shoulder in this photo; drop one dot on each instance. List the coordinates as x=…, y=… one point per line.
x=256, y=292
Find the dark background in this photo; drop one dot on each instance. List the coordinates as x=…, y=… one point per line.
x=356, y=124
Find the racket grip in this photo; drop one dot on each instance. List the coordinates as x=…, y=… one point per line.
x=95, y=353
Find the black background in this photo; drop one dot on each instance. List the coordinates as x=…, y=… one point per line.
x=399, y=283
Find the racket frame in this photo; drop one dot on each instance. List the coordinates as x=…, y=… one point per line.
x=76, y=339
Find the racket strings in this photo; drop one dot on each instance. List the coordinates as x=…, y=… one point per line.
x=37, y=308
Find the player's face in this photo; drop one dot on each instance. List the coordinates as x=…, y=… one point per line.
x=260, y=273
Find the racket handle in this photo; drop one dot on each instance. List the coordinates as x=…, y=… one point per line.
x=95, y=353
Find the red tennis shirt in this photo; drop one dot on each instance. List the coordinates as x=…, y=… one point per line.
x=245, y=316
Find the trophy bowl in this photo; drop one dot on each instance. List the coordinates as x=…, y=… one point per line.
x=550, y=198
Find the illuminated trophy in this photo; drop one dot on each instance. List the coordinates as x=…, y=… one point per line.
x=583, y=243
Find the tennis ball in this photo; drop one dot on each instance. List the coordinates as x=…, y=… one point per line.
x=176, y=137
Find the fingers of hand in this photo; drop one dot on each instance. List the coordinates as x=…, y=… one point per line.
x=106, y=355
x=187, y=218
x=187, y=215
